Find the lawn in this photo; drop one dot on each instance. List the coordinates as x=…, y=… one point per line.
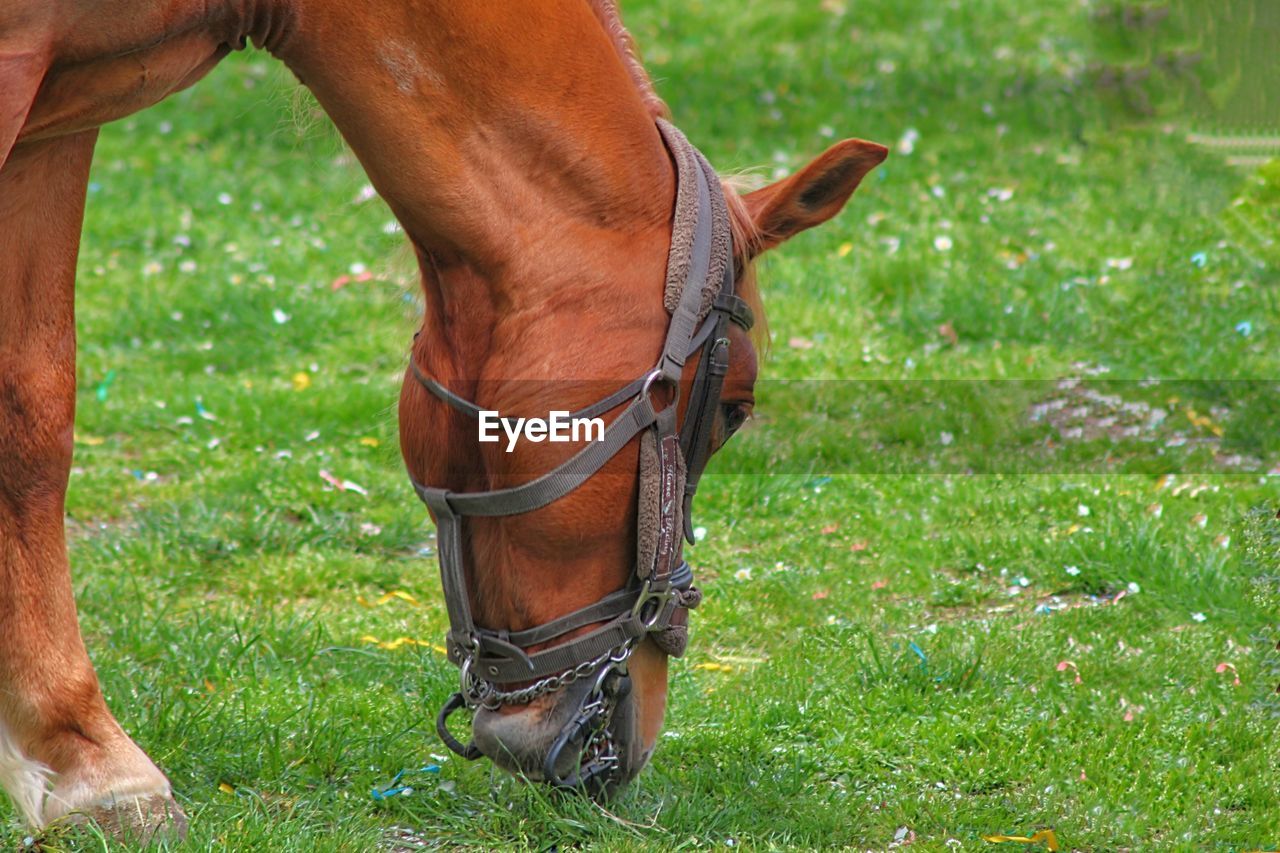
x=999, y=552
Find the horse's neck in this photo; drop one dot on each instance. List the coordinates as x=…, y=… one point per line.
x=509, y=138
x=490, y=128
x=476, y=120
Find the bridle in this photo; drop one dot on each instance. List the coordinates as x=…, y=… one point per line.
x=655, y=602
x=700, y=290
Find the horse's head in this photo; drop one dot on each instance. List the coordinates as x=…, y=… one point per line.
x=566, y=597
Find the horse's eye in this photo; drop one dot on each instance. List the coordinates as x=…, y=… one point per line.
x=735, y=415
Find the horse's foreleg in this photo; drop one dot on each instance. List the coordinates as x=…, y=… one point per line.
x=61, y=751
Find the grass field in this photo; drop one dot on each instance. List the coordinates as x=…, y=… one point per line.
x=984, y=603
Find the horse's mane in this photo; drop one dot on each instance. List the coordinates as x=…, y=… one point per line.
x=749, y=243
x=746, y=237
x=606, y=11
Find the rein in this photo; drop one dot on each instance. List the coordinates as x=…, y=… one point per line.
x=656, y=601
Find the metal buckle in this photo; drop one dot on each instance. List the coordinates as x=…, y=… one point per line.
x=718, y=364
x=471, y=686
x=648, y=596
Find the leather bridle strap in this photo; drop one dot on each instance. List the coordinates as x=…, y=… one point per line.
x=704, y=398
x=557, y=483
x=595, y=410
x=730, y=304
x=611, y=606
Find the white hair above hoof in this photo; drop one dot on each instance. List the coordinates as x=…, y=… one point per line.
x=27, y=782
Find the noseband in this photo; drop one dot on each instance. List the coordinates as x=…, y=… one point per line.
x=656, y=601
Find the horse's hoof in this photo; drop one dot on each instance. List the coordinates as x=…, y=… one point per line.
x=138, y=821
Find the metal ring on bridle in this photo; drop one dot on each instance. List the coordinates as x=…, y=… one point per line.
x=470, y=686
x=654, y=376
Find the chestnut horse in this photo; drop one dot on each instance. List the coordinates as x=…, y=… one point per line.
x=516, y=143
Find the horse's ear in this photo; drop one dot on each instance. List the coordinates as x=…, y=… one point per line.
x=814, y=194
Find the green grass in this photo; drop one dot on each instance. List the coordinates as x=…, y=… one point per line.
x=874, y=588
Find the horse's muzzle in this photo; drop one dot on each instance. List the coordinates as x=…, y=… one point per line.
x=522, y=739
